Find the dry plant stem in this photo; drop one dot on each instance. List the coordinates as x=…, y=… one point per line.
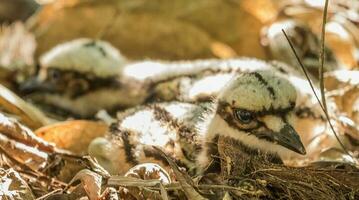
x=322, y=55
x=69, y=155
x=184, y=179
x=316, y=96
x=49, y=194
x=28, y=171
x=155, y=185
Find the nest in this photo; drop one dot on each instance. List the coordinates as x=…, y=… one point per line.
x=265, y=180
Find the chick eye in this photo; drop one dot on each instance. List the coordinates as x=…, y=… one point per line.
x=54, y=74
x=243, y=116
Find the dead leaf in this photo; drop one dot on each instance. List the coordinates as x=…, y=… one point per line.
x=12, y=129
x=74, y=135
x=343, y=86
x=148, y=171
x=13, y=187
x=90, y=181
x=27, y=155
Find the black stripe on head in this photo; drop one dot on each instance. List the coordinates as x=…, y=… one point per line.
x=269, y=111
x=99, y=48
x=228, y=117
x=264, y=82
x=75, y=83
x=258, y=129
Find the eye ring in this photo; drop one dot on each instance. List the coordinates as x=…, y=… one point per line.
x=243, y=116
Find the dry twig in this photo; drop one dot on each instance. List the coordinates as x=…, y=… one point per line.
x=316, y=96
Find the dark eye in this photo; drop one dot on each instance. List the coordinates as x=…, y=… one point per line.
x=54, y=74
x=243, y=116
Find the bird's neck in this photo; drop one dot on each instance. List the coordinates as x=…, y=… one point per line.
x=238, y=159
x=247, y=147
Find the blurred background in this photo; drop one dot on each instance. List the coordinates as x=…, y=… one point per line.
x=184, y=29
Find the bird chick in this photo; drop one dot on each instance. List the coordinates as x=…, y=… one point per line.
x=255, y=108
x=305, y=42
x=81, y=77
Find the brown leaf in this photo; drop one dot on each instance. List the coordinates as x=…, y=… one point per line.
x=13, y=187
x=12, y=129
x=74, y=135
x=90, y=181
x=147, y=171
x=33, y=158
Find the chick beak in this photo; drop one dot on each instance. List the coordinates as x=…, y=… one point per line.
x=35, y=85
x=289, y=138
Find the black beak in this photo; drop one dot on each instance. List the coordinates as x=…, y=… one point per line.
x=289, y=138
x=34, y=85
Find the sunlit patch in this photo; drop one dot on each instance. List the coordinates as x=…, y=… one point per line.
x=156, y=70
x=347, y=121
x=209, y=85
x=276, y=29
x=150, y=131
x=347, y=76
x=318, y=130
x=315, y=3
x=336, y=28
x=304, y=88
x=144, y=70
x=249, y=64
x=9, y=96
x=45, y=1
x=178, y=110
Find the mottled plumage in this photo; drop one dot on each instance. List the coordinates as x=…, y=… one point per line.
x=188, y=132
x=306, y=43
x=80, y=77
